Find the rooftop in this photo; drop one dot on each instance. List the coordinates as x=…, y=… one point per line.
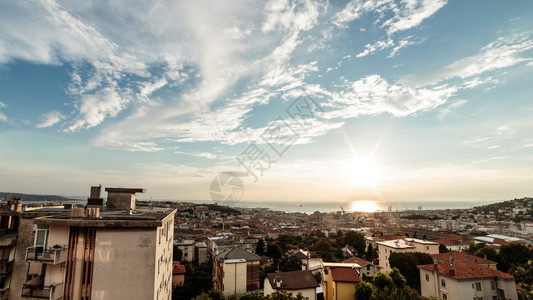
x=357, y=260
x=465, y=270
x=236, y=253
x=451, y=242
x=178, y=269
x=294, y=280
x=461, y=256
x=341, y=274
x=108, y=218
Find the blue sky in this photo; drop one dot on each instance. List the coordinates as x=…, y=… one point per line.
x=345, y=100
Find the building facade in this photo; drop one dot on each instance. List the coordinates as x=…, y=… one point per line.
x=466, y=281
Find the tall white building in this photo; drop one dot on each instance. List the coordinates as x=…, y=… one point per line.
x=386, y=248
x=92, y=252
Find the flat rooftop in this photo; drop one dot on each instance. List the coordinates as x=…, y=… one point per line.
x=108, y=218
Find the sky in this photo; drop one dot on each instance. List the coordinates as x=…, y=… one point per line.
x=302, y=101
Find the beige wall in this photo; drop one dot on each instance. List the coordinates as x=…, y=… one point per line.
x=124, y=258
x=59, y=235
x=425, y=248
x=234, y=283
x=20, y=267
x=163, y=259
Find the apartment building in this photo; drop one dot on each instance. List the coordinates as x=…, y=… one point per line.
x=236, y=271
x=466, y=280
x=97, y=252
x=385, y=248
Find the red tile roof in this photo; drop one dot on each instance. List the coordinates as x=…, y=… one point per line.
x=451, y=242
x=461, y=256
x=342, y=274
x=357, y=260
x=178, y=269
x=466, y=270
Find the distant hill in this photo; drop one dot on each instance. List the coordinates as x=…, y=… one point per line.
x=32, y=198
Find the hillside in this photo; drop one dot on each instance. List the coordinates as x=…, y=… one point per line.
x=31, y=198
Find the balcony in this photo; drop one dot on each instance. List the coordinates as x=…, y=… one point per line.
x=53, y=255
x=35, y=289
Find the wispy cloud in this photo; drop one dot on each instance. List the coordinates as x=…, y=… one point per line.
x=405, y=15
x=50, y=119
x=3, y=117
x=447, y=110
x=502, y=53
x=374, y=95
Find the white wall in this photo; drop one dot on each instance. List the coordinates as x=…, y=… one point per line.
x=124, y=264
x=234, y=283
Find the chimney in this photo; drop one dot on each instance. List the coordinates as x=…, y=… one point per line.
x=122, y=198
x=452, y=266
x=95, y=199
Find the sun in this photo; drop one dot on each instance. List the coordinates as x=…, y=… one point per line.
x=363, y=171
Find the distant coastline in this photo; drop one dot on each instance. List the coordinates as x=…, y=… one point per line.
x=288, y=206
x=310, y=207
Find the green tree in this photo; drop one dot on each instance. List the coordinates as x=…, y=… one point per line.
x=356, y=240
x=177, y=254
x=406, y=263
x=371, y=253
x=514, y=254
x=397, y=278
x=443, y=249
x=473, y=247
x=382, y=280
x=253, y=296
x=290, y=263
x=489, y=253
x=260, y=247
x=273, y=251
x=283, y=295
x=363, y=290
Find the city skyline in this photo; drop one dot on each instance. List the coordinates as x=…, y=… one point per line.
x=343, y=100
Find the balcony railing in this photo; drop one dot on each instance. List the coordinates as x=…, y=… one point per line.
x=35, y=289
x=53, y=255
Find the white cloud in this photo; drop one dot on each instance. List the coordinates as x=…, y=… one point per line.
x=406, y=14
x=374, y=95
x=198, y=154
x=444, y=112
x=409, y=14
x=50, y=119
x=502, y=53
x=3, y=117
x=502, y=133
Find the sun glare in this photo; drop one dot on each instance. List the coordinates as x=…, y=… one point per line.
x=363, y=171
x=364, y=206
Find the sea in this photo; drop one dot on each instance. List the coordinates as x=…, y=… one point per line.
x=330, y=206
x=357, y=205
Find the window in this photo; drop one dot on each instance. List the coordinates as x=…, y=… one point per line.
x=443, y=283
x=41, y=238
x=427, y=247
x=368, y=267
x=427, y=277
x=478, y=298
x=444, y=296
x=492, y=285
x=478, y=286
